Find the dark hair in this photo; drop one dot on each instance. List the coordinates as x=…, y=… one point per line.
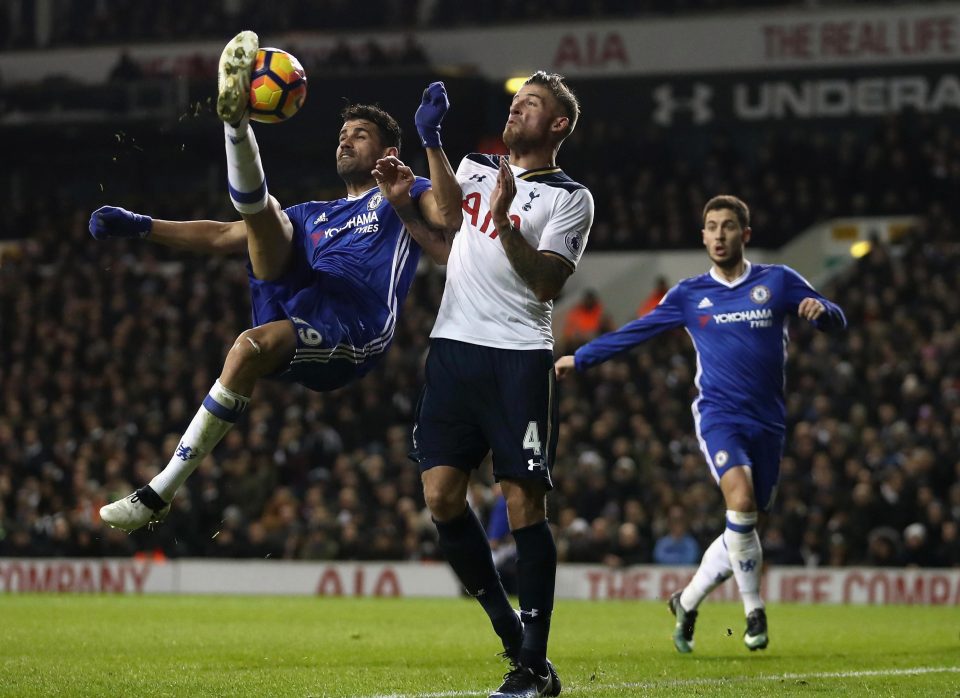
x=563, y=94
x=387, y=125
x=726, y=201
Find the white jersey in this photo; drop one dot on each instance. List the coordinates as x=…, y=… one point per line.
x=485, y=301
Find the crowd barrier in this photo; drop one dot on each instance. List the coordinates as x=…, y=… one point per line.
x=847, y=585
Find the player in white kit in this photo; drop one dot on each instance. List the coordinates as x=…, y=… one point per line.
x=489, y=378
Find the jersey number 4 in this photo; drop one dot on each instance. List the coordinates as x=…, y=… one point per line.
x=531, y=439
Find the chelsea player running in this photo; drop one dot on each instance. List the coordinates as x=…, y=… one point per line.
x=327, y=278
x=736, y=315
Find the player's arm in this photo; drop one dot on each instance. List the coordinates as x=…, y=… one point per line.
x=666, y=316
x=439, y=212
x=544, y=273
x=211, y=237
x=396, y=181
x=811, y=305
x=441, y=206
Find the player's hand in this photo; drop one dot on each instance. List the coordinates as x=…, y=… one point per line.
x=503, y=193
x=433, y=107
x=810, y=309
x=109, y=222
x=565, y=365
x=394, y=179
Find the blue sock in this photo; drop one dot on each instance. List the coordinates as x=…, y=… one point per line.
x=536, y=580
x=464, y=543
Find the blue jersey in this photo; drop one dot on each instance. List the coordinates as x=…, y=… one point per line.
x=351, y=268
x=362, y=249
x=739, y=331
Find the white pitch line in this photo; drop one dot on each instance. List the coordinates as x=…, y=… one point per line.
x=913, y=671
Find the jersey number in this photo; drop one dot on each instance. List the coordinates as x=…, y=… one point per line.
x=531, y=439
x=471, y=206
x=310, y=336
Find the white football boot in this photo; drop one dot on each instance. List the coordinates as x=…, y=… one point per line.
x=233, y=76
x=129, y=514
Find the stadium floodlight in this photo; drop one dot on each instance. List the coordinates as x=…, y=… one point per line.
x=513, y=85
x=860, y=249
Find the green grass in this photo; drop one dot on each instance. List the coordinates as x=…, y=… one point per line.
x=295, y=646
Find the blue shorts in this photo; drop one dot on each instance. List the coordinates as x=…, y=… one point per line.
x=728, y=445
x=477, y=399
x=334, y=346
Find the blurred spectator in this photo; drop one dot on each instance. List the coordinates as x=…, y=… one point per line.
x=676, y=546
x=660, y=289
x=916, y=549
x=629, y=548
x=411, y=54
x=948, y=552
x=340, y=57
x=584, y=320
x=577, y=544
x=126, y=69
x=374, y=56
x=883, y=548
x=776, y=551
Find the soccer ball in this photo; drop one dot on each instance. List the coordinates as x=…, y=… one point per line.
x=278, y=86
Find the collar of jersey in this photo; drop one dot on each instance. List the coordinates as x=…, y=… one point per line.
x=351, y=197
x=736, y=282
x=539, y=172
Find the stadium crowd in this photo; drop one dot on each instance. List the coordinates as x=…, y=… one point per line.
x=648, y=188
x=107, y=347
x=649, y=193
x=82, y=22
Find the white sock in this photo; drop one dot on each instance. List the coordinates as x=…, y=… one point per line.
x=713, y=571
x=220, y=410
x=245, y=178
x=746, y=556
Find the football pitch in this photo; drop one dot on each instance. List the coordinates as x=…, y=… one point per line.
x=85, y=645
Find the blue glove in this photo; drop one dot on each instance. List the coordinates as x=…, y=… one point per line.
x=114, y=222
x=432, y=109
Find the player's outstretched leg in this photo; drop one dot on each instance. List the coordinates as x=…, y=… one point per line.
x=686, y=621
x=221, y=408
x=256, y=353
x=233, y=76
x=755, y=636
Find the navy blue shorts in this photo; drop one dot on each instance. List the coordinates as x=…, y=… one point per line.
x=477, y=399
x=334, y=344
x=728, y=445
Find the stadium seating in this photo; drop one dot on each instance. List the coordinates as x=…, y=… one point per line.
x=108, y=347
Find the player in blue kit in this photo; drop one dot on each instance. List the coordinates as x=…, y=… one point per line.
x=737, y=316
x=327, y=278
